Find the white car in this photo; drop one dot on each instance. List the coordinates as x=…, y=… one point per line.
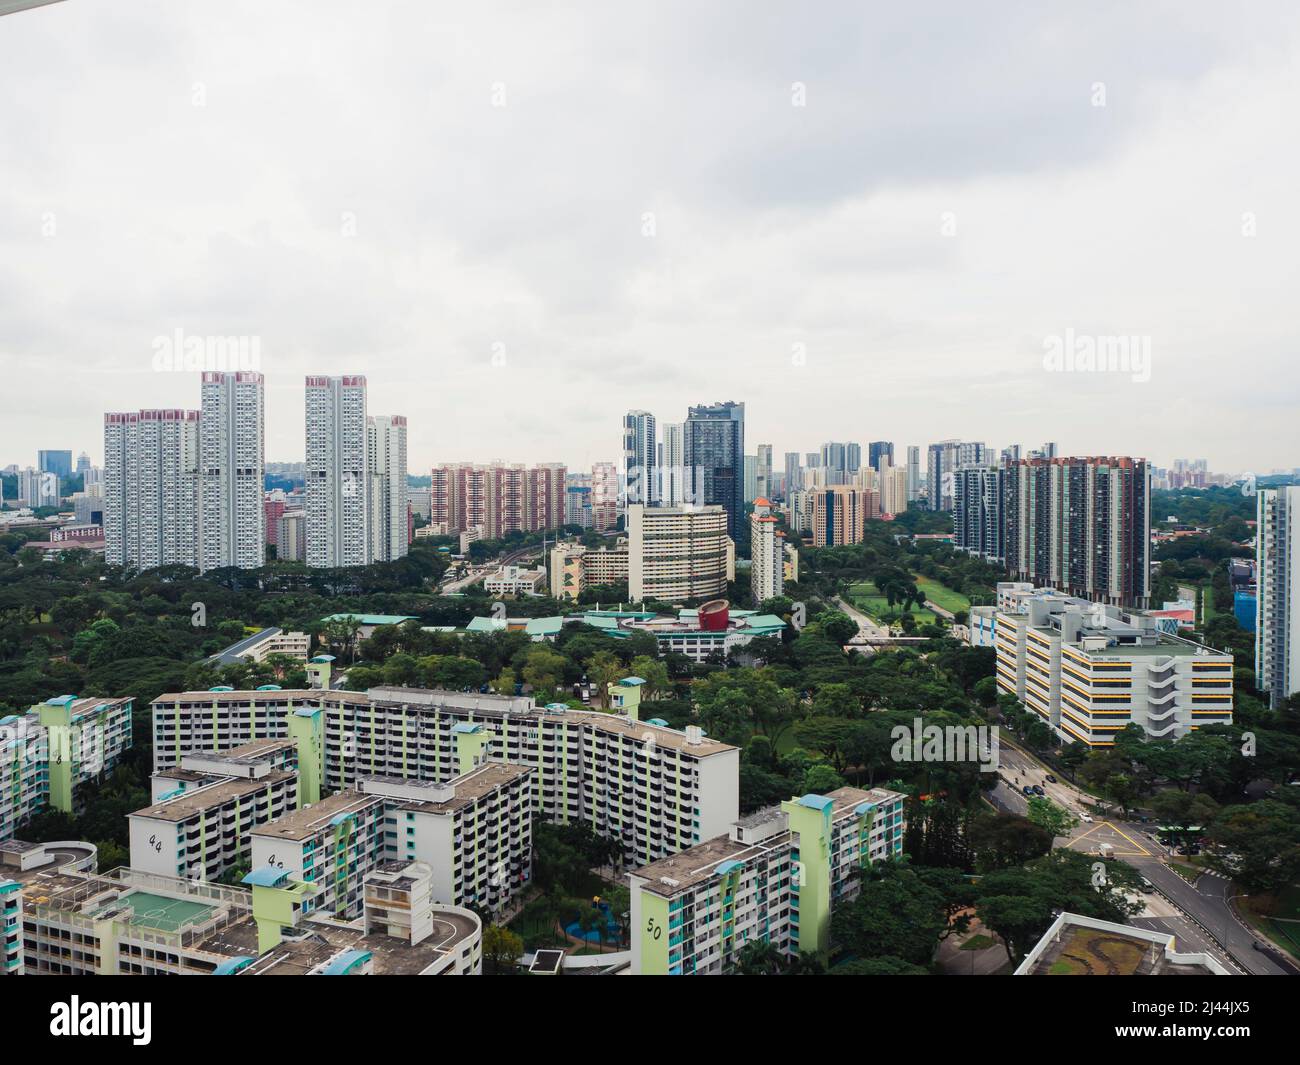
x=1085, y=819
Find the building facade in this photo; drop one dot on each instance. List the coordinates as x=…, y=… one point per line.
x=677, y=553
x=775, y=877
x=979, y=513
x=1089, y=670
x=640, y=458
x=714, y=449
x=840, y=514
x=150, y=489
x=232, y=463
x=1082, y=525
x=1277, y=596
x=389, y=505
x=338, y=486
x=767, y=547
x=656, y=789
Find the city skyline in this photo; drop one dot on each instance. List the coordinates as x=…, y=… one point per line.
x=813, y=244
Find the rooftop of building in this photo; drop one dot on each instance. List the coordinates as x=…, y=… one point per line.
x=81, y=707
x=1097, y=630
x=306, y=822
x=277, y=695
x=255, y=751
x=483, y=705
x=177, y=910
x=689, y=868
x=373, y=619
x=195, y=801
x=235, y=652
x=1080, y=946
x=467, y=788
x=685, y=623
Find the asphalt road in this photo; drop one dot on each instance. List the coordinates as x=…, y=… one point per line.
x=865, y=624
x=1202, y=920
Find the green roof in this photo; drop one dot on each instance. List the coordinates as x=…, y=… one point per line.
x=544, y=626
x=600, y=621
x=373, y=619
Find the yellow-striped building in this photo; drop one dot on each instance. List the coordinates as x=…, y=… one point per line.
x=1089, y=671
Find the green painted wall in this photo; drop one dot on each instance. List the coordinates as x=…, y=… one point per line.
x=654, y=934
x=813, y=829
x=307, y=733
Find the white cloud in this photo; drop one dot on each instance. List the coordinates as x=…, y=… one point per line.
x=774, y=225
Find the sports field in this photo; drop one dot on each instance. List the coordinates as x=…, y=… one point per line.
x=163, y=913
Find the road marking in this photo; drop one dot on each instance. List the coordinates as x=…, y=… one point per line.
x=1140, y=849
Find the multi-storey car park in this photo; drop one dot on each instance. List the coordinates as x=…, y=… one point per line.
x=776, y=876
x=657, y=789
x=1089, y=671
x=130, y=922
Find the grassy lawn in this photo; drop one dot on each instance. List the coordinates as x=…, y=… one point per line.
x=865, y=598
x=1279, y=921
x=1188, y=872
x=979, y=941
x=1207, y=605
x=942, y=595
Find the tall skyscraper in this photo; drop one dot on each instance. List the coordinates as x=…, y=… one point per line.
x=751, y=478
x=763, y=474
x=37, y=488
x=978, y=516
x=544, y=496
x=150, y=488
x=604, y=496
x=893, y=490
x=337, y=465
x=852, y=458
x=58, y=463
x=291, y=536
x=793, y=470
x=640, y=457
x=946, y=458
x=913, y=473
x=677, y=553
x=388, y=503
x=503, y=498
x=1081, y=525
x=840, y=461
x=715, y=461
x=1277, y=608
x=880, y=453
x=232, y=463
x=672, y=465
x=767, y=548
x=840, y=514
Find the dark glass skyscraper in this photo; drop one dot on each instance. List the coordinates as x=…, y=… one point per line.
x=880, y=452
x=58, y=462
x=714, y=445
x=1082, y=525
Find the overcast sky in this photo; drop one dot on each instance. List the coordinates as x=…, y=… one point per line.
x=866, y=221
